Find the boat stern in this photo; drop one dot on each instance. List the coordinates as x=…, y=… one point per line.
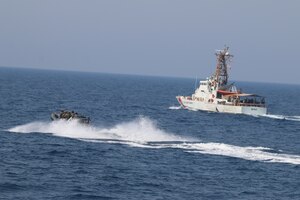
x=254, y=110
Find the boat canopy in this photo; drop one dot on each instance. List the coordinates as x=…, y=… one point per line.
x=242, y=95
x=225, y=92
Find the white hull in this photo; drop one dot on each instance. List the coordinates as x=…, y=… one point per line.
x=214, y=107
x=215, y=94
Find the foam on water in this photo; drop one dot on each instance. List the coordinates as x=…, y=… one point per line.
x=139, y=130
x=247, y=153
x=283, y=117
x=144, y=133
x=175, y=107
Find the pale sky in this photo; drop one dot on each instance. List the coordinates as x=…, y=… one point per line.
x=154, y=37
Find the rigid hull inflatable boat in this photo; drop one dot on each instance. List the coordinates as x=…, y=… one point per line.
x=68, y=116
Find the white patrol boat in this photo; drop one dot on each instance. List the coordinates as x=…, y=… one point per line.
x=216, y=95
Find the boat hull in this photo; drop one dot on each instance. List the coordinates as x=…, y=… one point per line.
x=214, y=107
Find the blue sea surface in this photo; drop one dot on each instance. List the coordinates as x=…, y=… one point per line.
x=141, y=144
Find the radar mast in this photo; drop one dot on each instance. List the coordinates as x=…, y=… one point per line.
x=223, y=60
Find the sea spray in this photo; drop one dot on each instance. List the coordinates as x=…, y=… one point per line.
x=141, y=129
x=144, y=133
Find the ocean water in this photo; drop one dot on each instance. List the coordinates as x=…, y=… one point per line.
x=141, y=144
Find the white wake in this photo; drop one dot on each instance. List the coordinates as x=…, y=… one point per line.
x=247, y=153
x=283, y=117
x=144, y=133
x=140, y=130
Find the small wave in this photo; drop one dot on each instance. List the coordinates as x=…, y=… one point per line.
x=144, y=133
x=175, y=107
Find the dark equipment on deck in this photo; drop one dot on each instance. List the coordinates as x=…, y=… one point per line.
x=68, y=116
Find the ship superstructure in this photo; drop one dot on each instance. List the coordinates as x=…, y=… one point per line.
x=216, y=94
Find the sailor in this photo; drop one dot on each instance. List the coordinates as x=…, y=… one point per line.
x=65, y=115
x=68, y=114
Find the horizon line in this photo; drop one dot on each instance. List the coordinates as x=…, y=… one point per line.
x=134, y=74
